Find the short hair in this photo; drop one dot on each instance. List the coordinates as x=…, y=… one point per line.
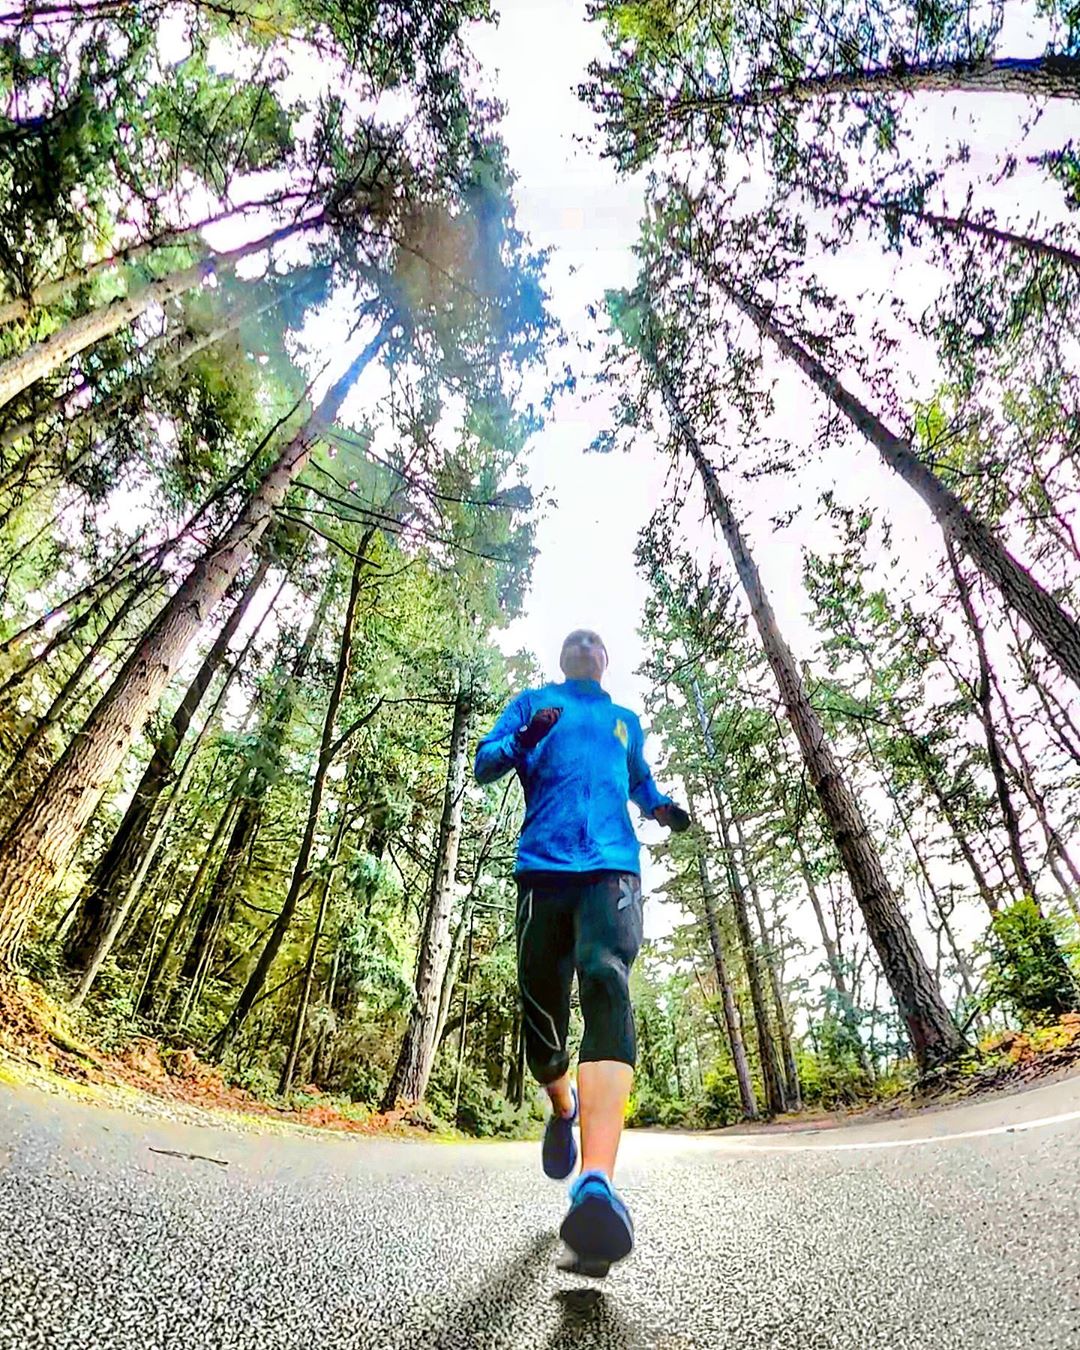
x=584, y=633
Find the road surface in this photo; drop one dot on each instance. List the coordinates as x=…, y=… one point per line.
x=955, y=1229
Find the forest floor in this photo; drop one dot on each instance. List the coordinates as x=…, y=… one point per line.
x=1006, y=1063
x=38, y=1046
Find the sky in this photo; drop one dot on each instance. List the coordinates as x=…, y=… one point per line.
x=571, y=201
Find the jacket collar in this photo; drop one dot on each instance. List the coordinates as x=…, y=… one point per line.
x=585, y=689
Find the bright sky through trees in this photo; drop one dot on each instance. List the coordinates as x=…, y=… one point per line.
x=571, y=201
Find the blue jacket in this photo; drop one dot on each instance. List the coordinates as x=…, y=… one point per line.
x=576, y=781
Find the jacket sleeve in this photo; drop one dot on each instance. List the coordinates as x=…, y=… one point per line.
x=499, y=751
x=643, y=791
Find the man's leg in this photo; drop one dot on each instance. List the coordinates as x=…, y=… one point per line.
x=609, y=931
x=604, y=1088
x=598, y=1228
x=545, y=948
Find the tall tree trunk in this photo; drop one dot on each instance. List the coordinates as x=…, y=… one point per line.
x=322, y=1060
x=86, y=419
x=675, y=1060
x=1049, y=76
x=49, y=292
x=1058, y=632
x=129, y=567
x=21, y=371
x=123, y=854
x=328, y=750
x=732, y=1019
x=984, y=695
x=44, y=837
x=935, y=1038
x=792, y=1086
x=148, y=853
x=409, y=1080
x=249, y=794
x=775, y=1101
x=148, y=856
x=453, y=963
x=19, y=784
x=454, y=958
x=324, y=888
x=894, y=209
x=181, y=918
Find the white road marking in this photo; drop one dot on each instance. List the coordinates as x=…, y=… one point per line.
x=829, y=1147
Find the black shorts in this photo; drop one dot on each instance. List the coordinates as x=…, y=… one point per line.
x=584, y=922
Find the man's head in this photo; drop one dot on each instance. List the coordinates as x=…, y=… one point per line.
x=584, y=656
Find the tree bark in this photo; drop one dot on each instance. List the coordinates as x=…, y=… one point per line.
x=132, y=836
x=409, y=1080
x=49, y=292
x=325, y=888
x=935, y=1039
x=180, y=919
x=20, y=786
x=984, y=694
x=1056, y=630
x=1054, y=77
x=327, y=753
x=21, y=371
x=157, y=966
x=44, y=837
x=732, y=1019
x=249, y=793
x=775, y=1100
x=129, y=565
x=792, y=1086
x=454, y=959
x=955, y=225
x=134, y=886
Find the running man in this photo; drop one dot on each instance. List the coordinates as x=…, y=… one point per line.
x=579, y=757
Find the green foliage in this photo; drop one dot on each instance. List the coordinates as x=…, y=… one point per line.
x=1030, y=969
x=830, y=1081
x=722, y=1104
x=482, y=1110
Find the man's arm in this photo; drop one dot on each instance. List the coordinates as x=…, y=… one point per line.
x=644, y=793
x=500, y=750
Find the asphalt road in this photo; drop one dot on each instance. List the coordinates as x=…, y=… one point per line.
x=957, y=1229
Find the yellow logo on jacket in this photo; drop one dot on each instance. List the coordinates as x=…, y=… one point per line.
x=622, y=732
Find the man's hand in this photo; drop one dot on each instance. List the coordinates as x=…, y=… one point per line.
x=538, y=728
x=672, y=817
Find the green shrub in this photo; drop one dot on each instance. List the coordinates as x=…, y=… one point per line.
x=722, y=1103
x=1029, y=971
x=482, y=1111
x=832, y=1081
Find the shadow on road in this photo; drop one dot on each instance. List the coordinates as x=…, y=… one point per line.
x=590, y=1319
x=510, y=1286
x=587, y=1317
